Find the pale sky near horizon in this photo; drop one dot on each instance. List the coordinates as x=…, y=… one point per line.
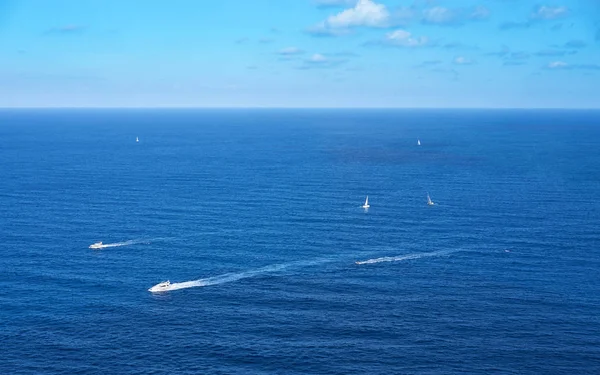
x=300, y=53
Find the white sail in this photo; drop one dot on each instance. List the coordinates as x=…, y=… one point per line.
x=418, y=142
x=429, y=201
x=366, y=205
x=137, y=139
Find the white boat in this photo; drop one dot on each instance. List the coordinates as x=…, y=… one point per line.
x=97, y=245
x=137, y=139
x=160, y=287
x=418, y=142
x=429, y=201
x=366, y=205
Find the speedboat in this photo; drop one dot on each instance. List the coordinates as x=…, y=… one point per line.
x=160, y=287
x=97, y=245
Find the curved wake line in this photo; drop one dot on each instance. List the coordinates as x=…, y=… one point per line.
x=408, y=256
x=235, y=276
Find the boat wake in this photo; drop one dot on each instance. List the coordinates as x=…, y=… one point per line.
x=408, y=257
x=234, y=276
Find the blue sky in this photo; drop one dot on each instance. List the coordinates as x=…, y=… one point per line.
x=300, y=53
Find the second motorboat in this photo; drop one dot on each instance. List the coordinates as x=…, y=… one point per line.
x=161, y=287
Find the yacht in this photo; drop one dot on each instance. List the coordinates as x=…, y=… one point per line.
x=97, y=245
x=160, y=287
x=137, y=139
x=418, y=142
x=429, y=201
x=366, y=205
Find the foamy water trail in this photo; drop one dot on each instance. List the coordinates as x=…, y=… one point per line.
x=235, y=276
x=124, y=243
x=408, y=256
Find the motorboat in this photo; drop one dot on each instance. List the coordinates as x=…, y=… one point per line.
x=160, y=287
x=97, y=245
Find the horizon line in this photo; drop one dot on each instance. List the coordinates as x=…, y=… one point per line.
x=297, y=108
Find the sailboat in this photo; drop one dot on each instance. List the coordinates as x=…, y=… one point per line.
x=137, y=139
x=429, y=201
x=418, y=142
x=366, y=205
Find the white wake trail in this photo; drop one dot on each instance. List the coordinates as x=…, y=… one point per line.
x=408, y=256
x=235, y=276
x=123, y=243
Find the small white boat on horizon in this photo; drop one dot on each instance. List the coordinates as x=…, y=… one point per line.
x=160, y=287
x=137, y=139
x=418, y=142
x=366, y=205
x=429, y=201
x=97, y=245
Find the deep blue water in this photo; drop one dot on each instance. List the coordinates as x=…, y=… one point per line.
x=502, y=276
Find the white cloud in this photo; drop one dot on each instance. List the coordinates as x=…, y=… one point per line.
x=454, y=16
x=461, y=60
x=317, y=58
x=321, y=61
x=405, y=39
x=479, y=13
x=550, y=13
x=290, y=51
x=557, y=65
x=366, y=13
x=439, y=15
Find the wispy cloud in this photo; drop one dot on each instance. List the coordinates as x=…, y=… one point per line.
x=479, y=13
x=539, y=14
x=266, y=40
x=561, y=65
x=510, y=58
x=461, y=60
x=402, y=38
x=242, y=40
x=321, y=61
x=515, y=25
x=545, y=12
x=575, y=44
x=428, y=63
x=502, y=53
x=458, y=46
x=553, y=52
x=514, y=63
x=443, y=16
x=290, y=51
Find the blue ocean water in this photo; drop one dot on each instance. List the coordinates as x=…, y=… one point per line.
x=501, y=276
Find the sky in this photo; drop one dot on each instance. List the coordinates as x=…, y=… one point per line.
x=300, y=53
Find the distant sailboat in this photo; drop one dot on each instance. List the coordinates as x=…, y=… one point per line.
x=418, y=142
x=429, y=201
x=366, y=205
x=137, y=139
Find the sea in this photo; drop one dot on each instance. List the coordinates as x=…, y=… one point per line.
x=255, y=217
